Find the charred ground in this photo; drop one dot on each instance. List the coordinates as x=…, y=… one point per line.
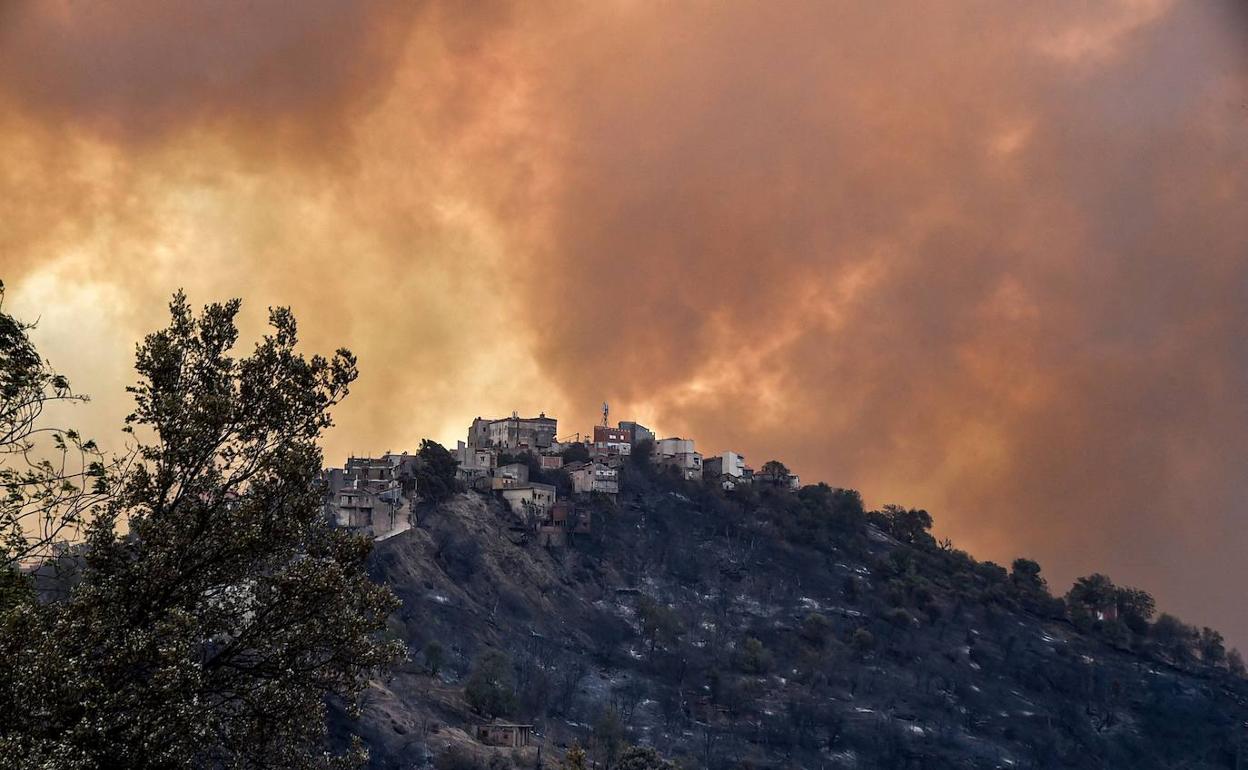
x=768, y=628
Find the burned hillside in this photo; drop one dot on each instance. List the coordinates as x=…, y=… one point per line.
x=765, y=627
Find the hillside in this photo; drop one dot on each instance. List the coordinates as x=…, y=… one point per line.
x=768, y=628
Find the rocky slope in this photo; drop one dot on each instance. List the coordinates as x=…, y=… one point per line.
x=767, y=628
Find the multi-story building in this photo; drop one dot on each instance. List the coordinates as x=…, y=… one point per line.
x=678, y=453
x=375, y=495
x=475, y=461
x=514, y=433
x=611, y=442
x=637, y=431
x=531, y=501
x=726, y=464
x=510, y=475
x=562, y=521
x=591, y=477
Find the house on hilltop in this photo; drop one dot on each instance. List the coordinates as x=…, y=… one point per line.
x=678, y=454
x=513, y=434
x=725, y=464
x=594, y=476
x=636, y=431
x=374, y=495
x=530, y=501
x=611, y=442
x=510, y=475
x=729, y=468
x=562, y=521
x=475, y=462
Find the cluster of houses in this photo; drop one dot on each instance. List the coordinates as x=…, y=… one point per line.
x=375, y=495
x=378, y=495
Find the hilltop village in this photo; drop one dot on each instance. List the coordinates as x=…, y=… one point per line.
x=756, y=627
x=507, y=456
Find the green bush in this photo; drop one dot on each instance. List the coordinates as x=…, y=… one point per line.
x=491, y=689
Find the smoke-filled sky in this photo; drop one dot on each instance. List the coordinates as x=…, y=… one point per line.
x=990, y=259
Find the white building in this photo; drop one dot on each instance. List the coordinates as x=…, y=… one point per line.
x=678, y=453
x=726, y=464
x=530, y=501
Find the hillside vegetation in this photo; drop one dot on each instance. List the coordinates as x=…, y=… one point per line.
x=769, y=628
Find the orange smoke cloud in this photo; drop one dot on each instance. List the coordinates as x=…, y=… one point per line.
x=986, y=259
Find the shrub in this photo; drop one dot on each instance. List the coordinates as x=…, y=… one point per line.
x=815, y=629
x=755, y=657
x=434, y=657
x=643, y=758
x=575, y=758
x=862, y=641
x=491, y=689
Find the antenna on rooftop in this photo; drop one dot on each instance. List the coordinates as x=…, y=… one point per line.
x=605, y=410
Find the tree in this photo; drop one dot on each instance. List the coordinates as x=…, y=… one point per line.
x=1211, y=646
x=50, y=478
x=1235, y=663
x=435, y=472
x=1025, y=576
x=776, y=472
x=434, y=656
x=212, y=631
x=862, y=641
x=642, y=456
x=908, y=525
x=815, y=629
x=1032, y=590
x=659, y=623
x=1089, y=596
x=840, y=509
x=491, y=688
x=575, y=758
x=575, y=453
x=608, y=736
x=1173, y=637
x=755, y=657
x=1135, y=608
x=643, y=758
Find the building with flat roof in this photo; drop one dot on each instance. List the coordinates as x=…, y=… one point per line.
x=637, y=431
x=610, y=441
x=679, y=454
x=591, y=477
x=725, y=464
x=475, y=462
x=372, y=494
x=514, y=433
x=506, y=735
x=530, y=501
